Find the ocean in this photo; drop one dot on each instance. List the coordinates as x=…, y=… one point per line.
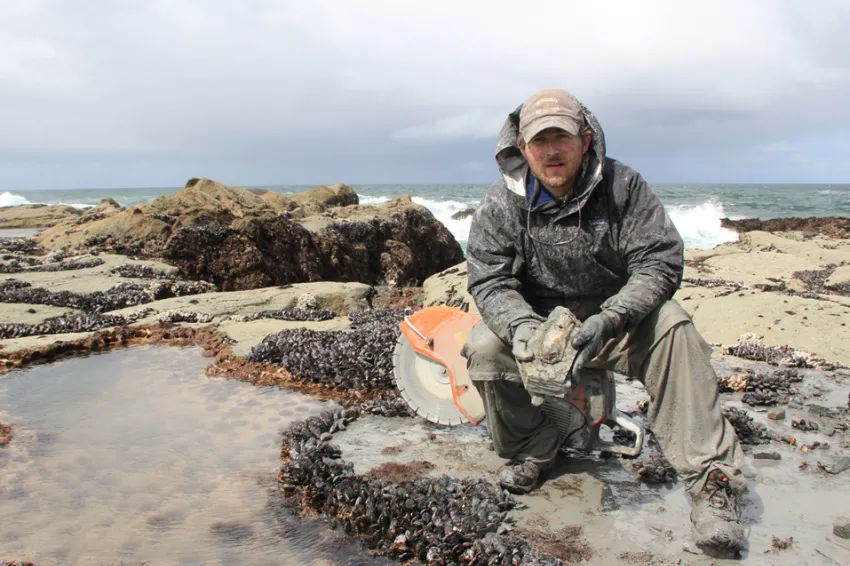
x=696, y=209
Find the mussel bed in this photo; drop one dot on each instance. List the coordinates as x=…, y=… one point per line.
x=751, y=347
x=296, y=313
x=748, y=431
x=120, y=296
x=18, y=245
x=137, y=271
x=356, y=360
x=68, y=323
x=435, y=520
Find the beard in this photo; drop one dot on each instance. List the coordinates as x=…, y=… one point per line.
x=560, y=181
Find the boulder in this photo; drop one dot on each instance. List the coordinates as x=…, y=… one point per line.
x=106, y=207
x=36, y=215
x=323, y=197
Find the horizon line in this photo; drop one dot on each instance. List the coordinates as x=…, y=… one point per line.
x=416, y=184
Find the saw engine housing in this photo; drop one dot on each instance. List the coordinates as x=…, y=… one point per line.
x=431, y=376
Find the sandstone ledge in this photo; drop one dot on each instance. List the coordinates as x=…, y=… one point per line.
x=36, y=215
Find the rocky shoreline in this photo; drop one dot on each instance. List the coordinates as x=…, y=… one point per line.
x=307, y=292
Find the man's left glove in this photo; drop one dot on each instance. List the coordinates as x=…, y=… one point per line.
x=593, y=335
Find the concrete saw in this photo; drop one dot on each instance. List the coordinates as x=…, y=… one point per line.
x=429, y=371
x=432, y=378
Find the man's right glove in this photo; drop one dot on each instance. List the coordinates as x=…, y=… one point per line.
x=537, y=377
x=593, y=335
x=522, y=335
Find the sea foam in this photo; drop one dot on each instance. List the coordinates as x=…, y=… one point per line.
x=11, y=199
x=700, y=226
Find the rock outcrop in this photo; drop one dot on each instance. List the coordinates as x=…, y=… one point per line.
x=397, y=248
x=245, y=239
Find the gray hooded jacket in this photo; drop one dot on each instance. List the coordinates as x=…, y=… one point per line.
x=623, y=251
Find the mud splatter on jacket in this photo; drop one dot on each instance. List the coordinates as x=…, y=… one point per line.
x=625, y=253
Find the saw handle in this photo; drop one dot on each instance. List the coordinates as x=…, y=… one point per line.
x=625, y=421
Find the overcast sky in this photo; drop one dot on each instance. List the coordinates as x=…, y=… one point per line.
x=100, y=93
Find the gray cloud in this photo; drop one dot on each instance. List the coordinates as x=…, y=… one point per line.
x=101, y=94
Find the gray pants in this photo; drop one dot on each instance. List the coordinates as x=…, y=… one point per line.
x=665, y=352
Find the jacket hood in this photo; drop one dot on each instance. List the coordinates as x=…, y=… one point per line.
x=514, y=168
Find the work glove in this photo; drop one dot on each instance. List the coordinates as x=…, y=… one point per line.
x=537, y=385
x=595, y=332
x=522, y=335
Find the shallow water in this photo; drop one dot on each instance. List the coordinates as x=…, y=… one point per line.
x=135, y=456
x=18, y=232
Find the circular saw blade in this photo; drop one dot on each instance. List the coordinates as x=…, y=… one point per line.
x=424, y=385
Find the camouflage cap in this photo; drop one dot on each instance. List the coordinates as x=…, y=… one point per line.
x=550, y=108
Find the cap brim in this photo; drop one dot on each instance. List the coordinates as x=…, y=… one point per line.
x=544, y=122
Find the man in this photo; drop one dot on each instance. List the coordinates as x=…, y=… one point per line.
x=567, y=225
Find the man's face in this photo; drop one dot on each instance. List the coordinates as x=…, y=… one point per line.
x=554, y=157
